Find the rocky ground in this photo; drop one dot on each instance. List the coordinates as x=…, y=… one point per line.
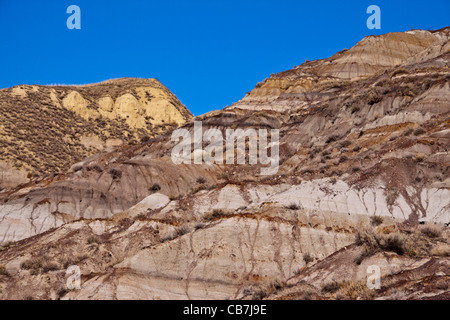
x=363, y=180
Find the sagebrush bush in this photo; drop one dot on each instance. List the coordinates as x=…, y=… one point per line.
x=201, y=180
x=376, y=220
x=431, y=231
x=115, y=173
x=307, y=257
x=409, y=244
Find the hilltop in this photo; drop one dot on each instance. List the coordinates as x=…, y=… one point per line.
x=46, y=129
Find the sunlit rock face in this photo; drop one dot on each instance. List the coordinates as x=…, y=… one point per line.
x=46, y=129
x=363, y=159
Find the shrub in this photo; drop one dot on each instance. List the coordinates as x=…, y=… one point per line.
x=93, y=240
x=376, y=220
x=355, y=109
x=395, y=243
x=182, y=230
x=97, y=168
x=330, y=287
x=267, y=289
x=307, y=257
x=419, y=131
x=201, y=180
x=115, y=173
x=199, y=225
x=73, y=261
x=408, y=132
x=49, y=266
x=199, y=188
x=216, y=214
x=293, y=206
x=331, y=139
x=155, y=187
x=343, y=159
x=356, y=169
x=420, y=158
x=61, y=292
x=141, y=216
x=400, y=243
x=34, y=265
x=431, y=231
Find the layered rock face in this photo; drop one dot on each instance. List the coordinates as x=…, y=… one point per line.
x=46, y=129
x=364, y=160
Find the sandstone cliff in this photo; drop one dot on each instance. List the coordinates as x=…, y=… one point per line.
x=46, y=129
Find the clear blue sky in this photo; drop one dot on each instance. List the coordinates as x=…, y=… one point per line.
x=208, y=52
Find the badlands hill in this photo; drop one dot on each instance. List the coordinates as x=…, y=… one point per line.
x=46, y=129
x=363, y=180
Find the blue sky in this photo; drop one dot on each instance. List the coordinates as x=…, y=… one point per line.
x=209, y=53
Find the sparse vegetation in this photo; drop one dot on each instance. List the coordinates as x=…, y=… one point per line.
x=115, y=173
x=141, y=216
x=32, y=264
x=266, y=289
x=355, y=109
x=331, y=139
x=307, y=257
x=216, y=214
x=155, y=187
x=348, y=290
x=61, y=292
x=408, y=132
x=199, y=188
x=73, y=260
x=419, y=158
x=343, y=159
x=93, y=240
x=419, y=131
x=178, y=232
x=330, y=287
x=201, y=180
x=431, y=231
x=409, y=244
x=356, y=169
x=376, y=220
